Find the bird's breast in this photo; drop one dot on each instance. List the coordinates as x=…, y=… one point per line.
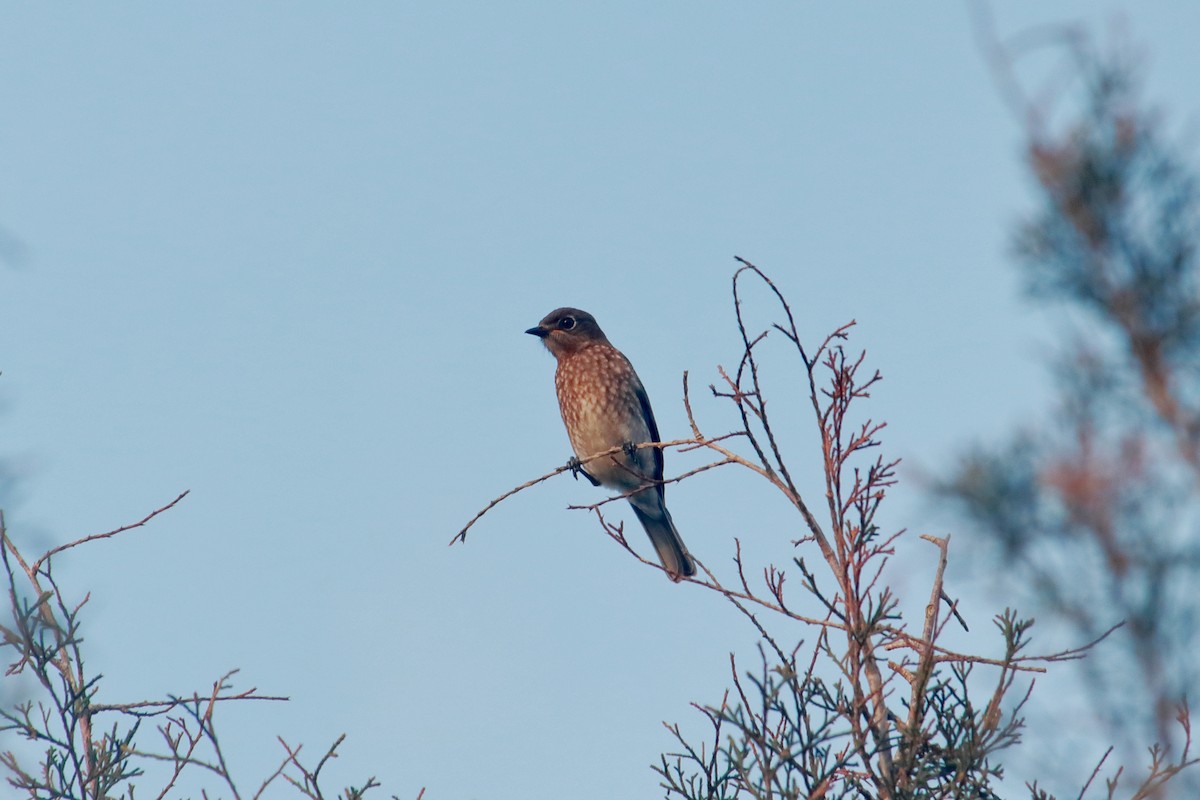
x=597, y=394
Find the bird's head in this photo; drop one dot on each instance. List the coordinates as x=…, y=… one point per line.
x=566, y=330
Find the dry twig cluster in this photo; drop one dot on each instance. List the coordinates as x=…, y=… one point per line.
x=869, y=707
x=93, y=750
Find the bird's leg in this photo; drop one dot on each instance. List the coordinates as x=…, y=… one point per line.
x=630, y=449
x=577, y=470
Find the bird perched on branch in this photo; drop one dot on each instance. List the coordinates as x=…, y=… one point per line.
x=604, y=405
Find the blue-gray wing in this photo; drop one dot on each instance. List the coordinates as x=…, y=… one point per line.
x=648, y=415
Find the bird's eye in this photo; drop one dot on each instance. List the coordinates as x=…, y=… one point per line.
x=566, y=323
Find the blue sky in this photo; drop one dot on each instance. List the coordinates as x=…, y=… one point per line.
x=282, y=254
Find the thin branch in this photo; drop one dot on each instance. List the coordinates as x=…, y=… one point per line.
x=37, y=565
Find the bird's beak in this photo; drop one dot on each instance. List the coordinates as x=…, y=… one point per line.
x=539, y=332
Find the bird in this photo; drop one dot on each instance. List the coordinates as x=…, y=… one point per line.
x=604, y=405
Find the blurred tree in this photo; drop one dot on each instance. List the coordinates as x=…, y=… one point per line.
x=1095, y=512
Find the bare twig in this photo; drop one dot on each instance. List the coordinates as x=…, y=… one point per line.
x=37, y=565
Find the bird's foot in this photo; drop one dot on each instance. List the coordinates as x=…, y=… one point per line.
x=577, y=469
x=630, y=449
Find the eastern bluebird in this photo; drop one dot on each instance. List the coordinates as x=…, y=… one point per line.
x=604, y=405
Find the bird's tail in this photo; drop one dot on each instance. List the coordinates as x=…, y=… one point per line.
x=671, y=551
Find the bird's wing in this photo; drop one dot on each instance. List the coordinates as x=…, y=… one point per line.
x=648, y=415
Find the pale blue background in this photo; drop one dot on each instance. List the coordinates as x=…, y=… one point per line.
x=282, y=255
